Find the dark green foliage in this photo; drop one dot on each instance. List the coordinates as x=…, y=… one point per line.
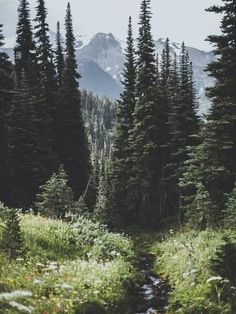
x=102, y=205
x=6, y=85
x=30, y=141
x=27, y=173
x=99, y=117
x=224, y=263
x=183, y=127
x=60, y=62
x=44, y=51
x=47, y=78
x=219, y=144
x=122, y=153
x=25, y=59
x=71, y=143
x=56, y=197
x=216, y=154
x=230, y=211
x=11, y=242
x=145, y=135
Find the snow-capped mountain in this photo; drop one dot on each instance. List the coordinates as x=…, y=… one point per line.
x=101, y=60
x=108, y=52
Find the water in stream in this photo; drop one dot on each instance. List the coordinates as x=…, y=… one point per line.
x=152, y=296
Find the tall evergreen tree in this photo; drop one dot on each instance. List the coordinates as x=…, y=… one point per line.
x=183, y=126
x=47, y=78
x=25, y=60
x=124, y=123
x=6, y=85
x=170, y=98
x=216, y=154
x=24, y=161
x=219, y=145
x=145, y=136
x=71, y=140
x=102, y=208
x=60, y=62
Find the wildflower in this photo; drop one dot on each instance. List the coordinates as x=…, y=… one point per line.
x=14, y=295
x=66, y=286
x=214, y=278
x=21, y=307
x=37, y=281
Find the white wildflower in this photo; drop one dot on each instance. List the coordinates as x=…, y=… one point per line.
x=214, y=278
x=185, y=275
x=40, y=265
x=21, y=307
x=6, y=296
x=52, y=267
x=66, y=286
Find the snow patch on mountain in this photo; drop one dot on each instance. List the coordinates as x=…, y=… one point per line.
x=106, y=55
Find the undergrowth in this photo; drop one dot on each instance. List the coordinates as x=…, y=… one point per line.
x=187, y=260
x=67, y=268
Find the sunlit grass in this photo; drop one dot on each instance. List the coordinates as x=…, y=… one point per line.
x=66, y=267
x=185, y=259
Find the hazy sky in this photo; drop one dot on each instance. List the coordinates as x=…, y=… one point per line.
x=178, y=19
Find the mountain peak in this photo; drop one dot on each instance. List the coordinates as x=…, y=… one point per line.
x=105, y=40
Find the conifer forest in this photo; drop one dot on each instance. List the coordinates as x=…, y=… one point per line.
x=123, y=206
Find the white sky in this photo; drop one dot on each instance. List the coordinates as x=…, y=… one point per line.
x=178, y=19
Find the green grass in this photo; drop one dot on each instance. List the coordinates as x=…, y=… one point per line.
x=68, y=267
x=185, y=259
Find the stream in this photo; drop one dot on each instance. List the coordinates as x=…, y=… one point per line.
x=152, y=296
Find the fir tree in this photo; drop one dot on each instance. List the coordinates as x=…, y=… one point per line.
x=217, y=153
x=71, y=141
x=6, y=85
x=102, y=209
x=56, y=197
x=183, y=127
x=60, y=62
x=12, y=243
x=145, y=136
x=25, y=60
x=26, y=171
x=44, y=51
x=124, y=122
x=45, y=68
x=219, y=145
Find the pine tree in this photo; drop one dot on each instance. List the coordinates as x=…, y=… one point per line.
x=12, y=243
x=44, y=51
x=26, y=170
x=121, y=148
x=217, y=153
x=60, y=62
x=183, y=126
x=47, y=78
x=71, y=141
x=56, y=197
x=25, y=60
x=102, y=208
x=6, y=85
x=145, y=136
x=166, y=89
